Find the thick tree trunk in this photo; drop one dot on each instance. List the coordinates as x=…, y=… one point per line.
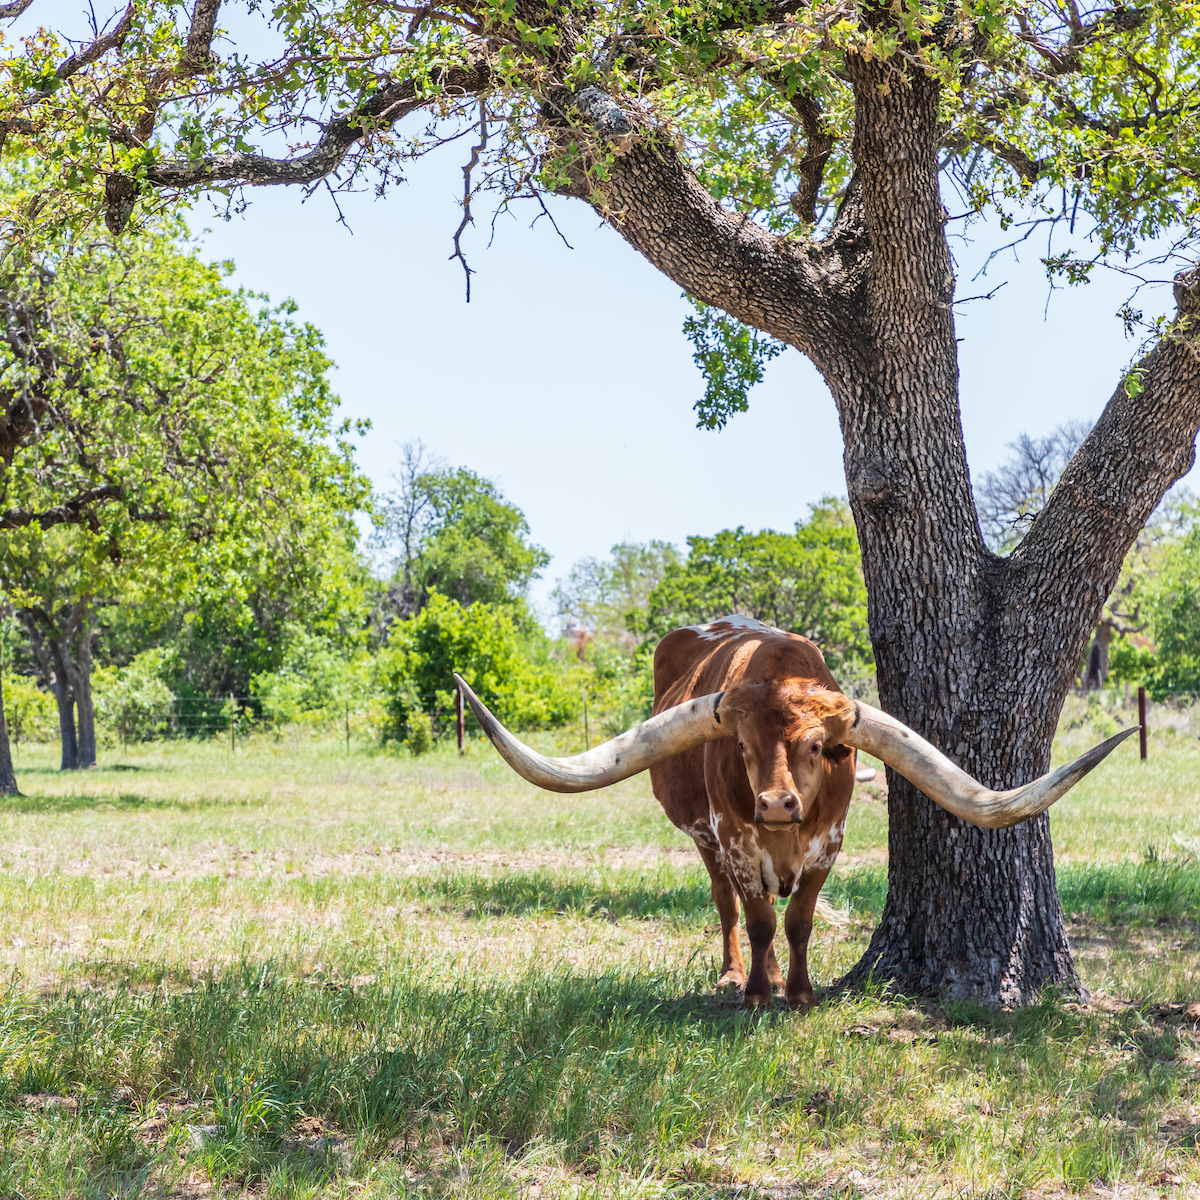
x=64, y=651
x=65, y=698
x=974, y=652
x=970, y=912
x=8, y=777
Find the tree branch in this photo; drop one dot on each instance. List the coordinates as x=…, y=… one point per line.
x=1141, y=445
x=818, y=147
x=70, y=512
x=379, y=111
x=651, y=197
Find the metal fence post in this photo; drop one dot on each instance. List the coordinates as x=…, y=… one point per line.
x=1142, y=721
x=460, y=718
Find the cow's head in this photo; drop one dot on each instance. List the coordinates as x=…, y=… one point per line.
x=785, y=730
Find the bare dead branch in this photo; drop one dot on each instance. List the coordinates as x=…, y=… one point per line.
x=467, y=219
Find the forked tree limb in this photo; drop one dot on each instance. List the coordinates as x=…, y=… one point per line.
x=379, y=111
x=1141, y=445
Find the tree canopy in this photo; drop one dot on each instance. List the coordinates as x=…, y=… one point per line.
x=163, y=434
x=808, y=582
x=451, y=531
x=1074, y=110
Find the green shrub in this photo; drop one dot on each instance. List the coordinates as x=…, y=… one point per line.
x=420, y=734
x=133, y=702
x=512, y=674
x=31, y=713
x=1175, y=617
x=318, y=688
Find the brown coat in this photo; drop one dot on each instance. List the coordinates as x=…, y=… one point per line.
x=767, y=810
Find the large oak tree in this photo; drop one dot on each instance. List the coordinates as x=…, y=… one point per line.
x=784, y=162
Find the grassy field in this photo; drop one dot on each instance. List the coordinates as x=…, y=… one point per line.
x=286, y=971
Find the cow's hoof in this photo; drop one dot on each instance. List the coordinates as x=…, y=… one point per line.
x=756, y=999
x=732, y=978
x=802, y=1001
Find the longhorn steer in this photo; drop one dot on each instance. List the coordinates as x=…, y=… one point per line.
x=751, y=753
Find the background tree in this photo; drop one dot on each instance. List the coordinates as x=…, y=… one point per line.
x=162, y=430
x=808, y=582
x=453, y=532
x=1011, y=497
x=781, y=161
x=601, y=596
x=485, y=645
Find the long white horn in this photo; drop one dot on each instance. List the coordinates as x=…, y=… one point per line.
x=929, y=769
x=669, y=733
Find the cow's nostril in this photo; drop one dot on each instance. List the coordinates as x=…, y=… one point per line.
x=790, y=805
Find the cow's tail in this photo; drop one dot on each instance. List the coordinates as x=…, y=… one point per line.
x=837, y=917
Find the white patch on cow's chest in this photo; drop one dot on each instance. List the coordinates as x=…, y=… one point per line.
x=713, y=631
x=823, y=849
x=751, y=864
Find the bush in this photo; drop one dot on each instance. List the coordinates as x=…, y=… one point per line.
x=31, y=713
x=133, y=702
x=513, y=675
x=317, y=688
x=1175, y=618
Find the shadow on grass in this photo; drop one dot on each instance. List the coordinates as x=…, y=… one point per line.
x=1155, y=890
x=49, y=802
x=546, y=893
x=89, y=772
x=553, y=1054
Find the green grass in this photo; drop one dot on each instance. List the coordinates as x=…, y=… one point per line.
x=287, y=973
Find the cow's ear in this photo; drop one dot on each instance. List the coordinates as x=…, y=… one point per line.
x=735, y=704
x=834, y=711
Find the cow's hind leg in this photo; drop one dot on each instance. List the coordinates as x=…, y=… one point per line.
x=797, y=924
x=733, y=970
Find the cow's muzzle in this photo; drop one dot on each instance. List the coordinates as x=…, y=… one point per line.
x=778, y=807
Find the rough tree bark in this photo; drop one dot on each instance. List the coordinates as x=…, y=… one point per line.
x=63, y=647
x=8, y=777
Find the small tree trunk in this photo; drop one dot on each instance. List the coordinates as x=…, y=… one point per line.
x=8, y=777
x=66, y=723
x=82, y=672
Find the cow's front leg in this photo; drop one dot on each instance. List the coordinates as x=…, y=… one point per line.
x=774, y=971
x=733, y=971
x=760, y=929
x=797, y=924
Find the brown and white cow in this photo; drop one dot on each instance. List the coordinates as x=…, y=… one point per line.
x=751, y=753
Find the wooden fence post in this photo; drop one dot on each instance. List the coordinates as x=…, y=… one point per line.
x=1142, y=721
x=460, y=718
x=232, y=720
